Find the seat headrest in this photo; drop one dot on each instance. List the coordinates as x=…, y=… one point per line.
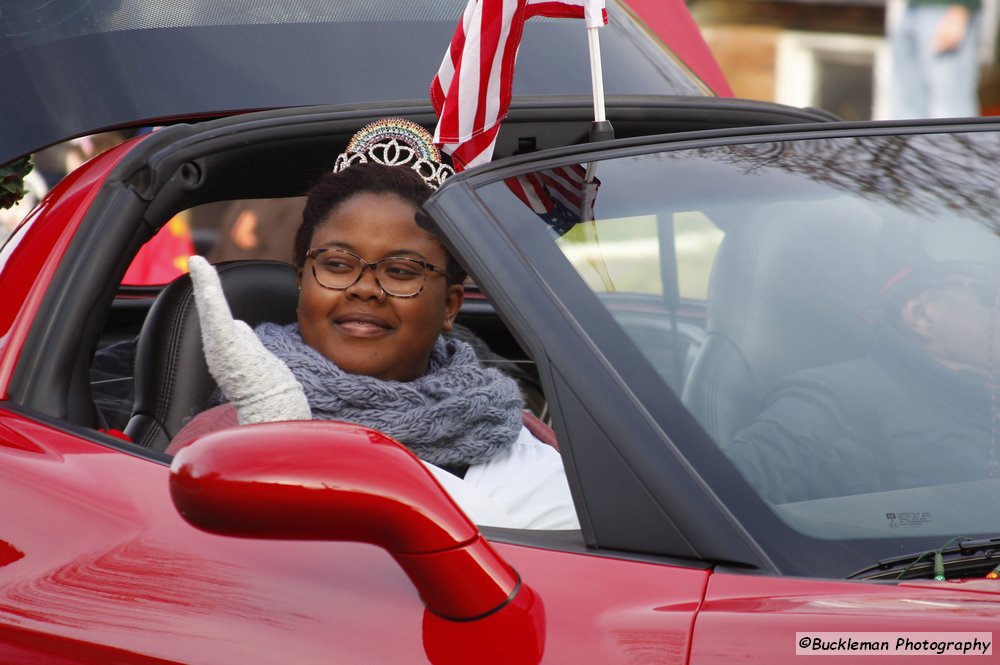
x=788, y=291
x=791, y=285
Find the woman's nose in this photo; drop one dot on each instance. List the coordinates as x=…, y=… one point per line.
x=367, y=285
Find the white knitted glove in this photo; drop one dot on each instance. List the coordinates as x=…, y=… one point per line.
x=256, y=381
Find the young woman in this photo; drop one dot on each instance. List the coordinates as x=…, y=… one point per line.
x=376, y=294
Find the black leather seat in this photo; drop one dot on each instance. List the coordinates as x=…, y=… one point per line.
x=788, y=291
x=172, y=381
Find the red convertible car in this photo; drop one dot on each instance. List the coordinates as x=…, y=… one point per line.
x=768, y=351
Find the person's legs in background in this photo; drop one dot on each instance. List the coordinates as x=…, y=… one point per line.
x=926, y=84
x=908, y=89
x=953, y=76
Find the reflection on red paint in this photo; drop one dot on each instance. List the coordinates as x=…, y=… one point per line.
x=8, y=553
x=513, y=635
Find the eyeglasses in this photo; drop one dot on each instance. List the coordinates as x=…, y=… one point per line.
x=398, y=276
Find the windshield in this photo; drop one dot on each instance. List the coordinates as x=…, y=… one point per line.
x=829, y=312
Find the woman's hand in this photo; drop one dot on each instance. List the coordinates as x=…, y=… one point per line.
x=257, y=382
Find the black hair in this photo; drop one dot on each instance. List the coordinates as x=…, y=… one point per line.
x=332, y=189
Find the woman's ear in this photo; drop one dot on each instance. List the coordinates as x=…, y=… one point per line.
x=454, y=298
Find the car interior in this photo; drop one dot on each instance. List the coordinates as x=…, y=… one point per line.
x=171, y=381
x=147, y=373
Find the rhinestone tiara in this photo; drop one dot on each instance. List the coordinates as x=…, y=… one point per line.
x=396, y=142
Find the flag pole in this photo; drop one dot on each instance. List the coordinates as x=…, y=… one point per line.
x=600, y=129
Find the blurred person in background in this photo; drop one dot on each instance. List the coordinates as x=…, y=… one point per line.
x=935, y=57
x=921, y=408
x=257, y=229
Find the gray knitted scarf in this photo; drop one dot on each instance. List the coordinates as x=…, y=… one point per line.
x=459, y=413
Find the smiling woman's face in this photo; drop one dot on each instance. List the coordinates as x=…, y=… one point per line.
x=361, y=328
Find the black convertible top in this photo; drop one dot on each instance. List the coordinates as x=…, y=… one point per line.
x=75, y=68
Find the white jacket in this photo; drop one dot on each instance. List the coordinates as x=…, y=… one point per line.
x=524, y=487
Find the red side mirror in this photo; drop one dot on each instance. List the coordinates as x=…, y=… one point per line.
x=316, y=480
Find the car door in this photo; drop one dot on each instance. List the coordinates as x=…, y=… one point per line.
x=99, y=567
x=789, y=233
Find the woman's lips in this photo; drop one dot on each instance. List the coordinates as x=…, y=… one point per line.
x=361, y=325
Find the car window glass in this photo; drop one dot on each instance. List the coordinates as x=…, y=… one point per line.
x=652, y=273
x=828, y=310
x=623, y=255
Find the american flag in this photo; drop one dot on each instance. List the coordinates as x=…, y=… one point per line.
x=592, y=11
x=472, y=89
x=562, y=196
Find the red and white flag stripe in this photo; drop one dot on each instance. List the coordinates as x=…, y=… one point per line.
x=594, y=12
x=472, y=90
x=561, y=196
x=541, y=189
